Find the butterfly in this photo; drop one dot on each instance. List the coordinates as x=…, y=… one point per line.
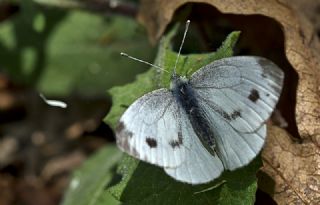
x=200, y=126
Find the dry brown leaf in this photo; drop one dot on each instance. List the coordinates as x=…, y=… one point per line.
x=294, y=167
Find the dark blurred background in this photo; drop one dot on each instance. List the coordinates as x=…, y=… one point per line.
x=68, y=53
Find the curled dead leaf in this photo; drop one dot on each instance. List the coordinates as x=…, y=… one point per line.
x=291, y=157
x=293, y=167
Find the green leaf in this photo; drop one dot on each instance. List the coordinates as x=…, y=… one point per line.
x=88, y=183
x=60, y=51
x=143, y=183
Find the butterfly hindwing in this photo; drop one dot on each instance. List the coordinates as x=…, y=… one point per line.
x=200, y=166
x=150, y=130
x=235, y=149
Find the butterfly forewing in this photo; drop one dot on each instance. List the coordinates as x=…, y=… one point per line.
x=150, y=129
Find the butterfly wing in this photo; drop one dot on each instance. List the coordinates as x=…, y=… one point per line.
x=157, y=130
x=238, y=94
x=234, y=148
x=243, y=90
x=200, y=166
x=150, y=130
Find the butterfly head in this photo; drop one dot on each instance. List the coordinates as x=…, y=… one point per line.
x=177, y=81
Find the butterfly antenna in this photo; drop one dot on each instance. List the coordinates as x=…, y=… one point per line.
x=142, y=61
x=182, y=42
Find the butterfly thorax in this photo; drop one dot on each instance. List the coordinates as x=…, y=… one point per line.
x=188, y=100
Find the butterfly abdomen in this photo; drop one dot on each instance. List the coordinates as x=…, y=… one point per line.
x=185, y=97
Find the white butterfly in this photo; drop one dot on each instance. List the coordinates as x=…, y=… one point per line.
x=212, y=122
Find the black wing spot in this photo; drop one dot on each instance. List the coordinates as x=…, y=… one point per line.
x=152, y=143
x=254, y=95
x=235, y=114
x=222, y=113
x=225, y=115
x=178, y=142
